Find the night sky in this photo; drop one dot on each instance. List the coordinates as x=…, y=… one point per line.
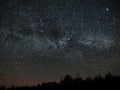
x=44, y=40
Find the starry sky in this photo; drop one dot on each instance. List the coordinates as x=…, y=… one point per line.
x=43, y=40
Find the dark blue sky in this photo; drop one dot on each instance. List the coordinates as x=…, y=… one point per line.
x=43, y=40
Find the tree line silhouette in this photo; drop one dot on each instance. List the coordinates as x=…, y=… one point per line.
x=97, y=83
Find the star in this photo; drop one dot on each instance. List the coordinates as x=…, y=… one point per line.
x=107, y=9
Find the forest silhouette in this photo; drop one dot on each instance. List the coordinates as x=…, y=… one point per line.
x=96, y=83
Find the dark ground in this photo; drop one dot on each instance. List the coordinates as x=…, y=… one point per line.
x=98, y=83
